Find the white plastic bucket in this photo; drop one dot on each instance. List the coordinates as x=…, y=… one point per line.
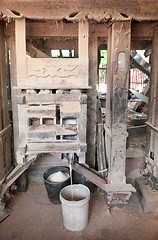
x=75, y=206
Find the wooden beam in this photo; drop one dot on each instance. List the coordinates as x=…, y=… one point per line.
x=87, y=173
x=51, y=29
x=60, y=9
x=141, y=30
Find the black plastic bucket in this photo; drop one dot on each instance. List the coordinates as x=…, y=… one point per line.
x=54, y=188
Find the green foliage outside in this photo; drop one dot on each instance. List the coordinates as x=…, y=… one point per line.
x=103, y=60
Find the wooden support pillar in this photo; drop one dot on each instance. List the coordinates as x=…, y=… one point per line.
x=153, y=109
x=83, y=40
x=83, y=54
x=13, y=78
x=21, y=74
x=92, y=100
x=117, y=97
x=3, y=80
x=148, y=194
x=116, y=111
x=5, y=151
x=20, y=44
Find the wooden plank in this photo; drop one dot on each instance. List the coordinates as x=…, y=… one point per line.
x=63, y=147
x=59, y=87
x=53, y=83
x=40, y=111
x=59, y=130
x=54, y=98
x=98, y=181
x=41, y=136
x=22, y=126
x=82, y=128
x=70, y=107
x=102, y=169
x=20, y=41
x=82, y=123
x=70, y=110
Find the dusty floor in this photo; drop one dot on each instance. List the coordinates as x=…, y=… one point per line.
x=33, y=216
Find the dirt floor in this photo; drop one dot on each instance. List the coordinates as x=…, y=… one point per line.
x=33, y=216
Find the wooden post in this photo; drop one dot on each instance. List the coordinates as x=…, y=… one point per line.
x=21, y=74
x=92, y=100
x=5, y=152
x=14, y=91
x=3, y=78
x=83, y=40
x=153, y=105
x=117, y=96
x=20, y=44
